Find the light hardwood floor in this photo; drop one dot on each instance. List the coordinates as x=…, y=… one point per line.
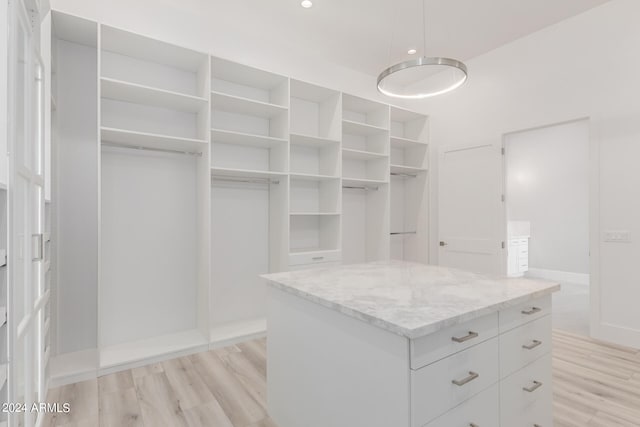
x=595, y=385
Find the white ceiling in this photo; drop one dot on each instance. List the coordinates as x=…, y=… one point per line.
x=357, y=33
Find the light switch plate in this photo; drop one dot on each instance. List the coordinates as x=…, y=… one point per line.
x=617, y=236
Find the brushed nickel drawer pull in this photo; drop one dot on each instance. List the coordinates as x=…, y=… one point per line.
x=467, y=337
x=533, y=345
x=532, y=310
x=536, y=385
x=317, y=258
x=472, y=376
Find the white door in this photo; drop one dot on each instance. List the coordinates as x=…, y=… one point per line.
x=470, y=212
x=26, y=219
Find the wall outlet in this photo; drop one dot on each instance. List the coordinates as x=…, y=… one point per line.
x=617, y=236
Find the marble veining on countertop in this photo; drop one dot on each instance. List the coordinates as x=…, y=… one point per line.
x=406, y=298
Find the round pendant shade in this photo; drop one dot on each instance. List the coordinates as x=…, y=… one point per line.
x=422, y=77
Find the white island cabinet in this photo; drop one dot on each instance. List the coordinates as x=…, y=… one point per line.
x=394, y=344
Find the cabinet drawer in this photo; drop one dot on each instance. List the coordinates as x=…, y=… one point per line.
x=318, y=265
x=481, y=410
x=525, y=408
x=442, y=385
x=524, y=344
x=304, y=258
x=433, y=347
x=523, y=313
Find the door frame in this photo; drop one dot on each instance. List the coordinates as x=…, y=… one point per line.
x=594, y=214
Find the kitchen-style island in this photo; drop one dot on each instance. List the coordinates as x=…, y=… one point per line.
x=398, y=344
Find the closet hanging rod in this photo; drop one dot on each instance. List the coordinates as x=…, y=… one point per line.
x=160, y=150
x=404, y=175
x=244, y=180
x=396, y=233
x=352, y=187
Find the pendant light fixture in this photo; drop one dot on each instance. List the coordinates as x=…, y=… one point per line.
x=422, y=77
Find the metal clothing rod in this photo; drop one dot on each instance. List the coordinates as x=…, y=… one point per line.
x=161, y=150
x=350, y=187
x=244, y=180
x=395, y=233
x=403, y=175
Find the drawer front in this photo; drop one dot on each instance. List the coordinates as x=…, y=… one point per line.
x=481, y=410
x=524, y=313
x=314, y=257
x=524, y=344
x=445, y=384
x=436, y=346
x=318, y=265
x=526, y=408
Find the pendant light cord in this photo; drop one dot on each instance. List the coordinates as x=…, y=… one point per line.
x=424, y=29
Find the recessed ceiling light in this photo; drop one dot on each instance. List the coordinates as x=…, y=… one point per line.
x=306, y=4
x=411, y=51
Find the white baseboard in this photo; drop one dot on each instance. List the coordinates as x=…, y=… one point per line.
x=559, y=276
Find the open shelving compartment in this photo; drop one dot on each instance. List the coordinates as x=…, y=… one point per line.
x=409, y=185
x=153, y=94
x=314, y=203
x=154, y=200
x=249, y=190
x=365, y=180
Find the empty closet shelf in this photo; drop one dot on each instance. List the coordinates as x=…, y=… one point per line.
x=245, y=106
x=146, y=95
x=361, y=182
x=217, y=172
x=349, y=153
x=400, y=142
x=247, y=139
x=406, y=170
x=314, y=213
x=311, y=141
x=312, y=177
x=356, y=128
x=135, y=139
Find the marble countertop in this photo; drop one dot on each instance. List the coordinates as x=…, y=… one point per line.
x=406, y=298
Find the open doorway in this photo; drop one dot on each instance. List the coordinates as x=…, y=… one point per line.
x=547, y=213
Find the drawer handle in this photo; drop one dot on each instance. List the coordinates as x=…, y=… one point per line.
x=473, y=425
x=472, y=376
x=317, y=258
x=536, y=385
x=532, y=310
x=469, y=336
x=533, y=345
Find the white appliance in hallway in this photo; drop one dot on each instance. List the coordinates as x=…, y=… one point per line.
x=519, y=233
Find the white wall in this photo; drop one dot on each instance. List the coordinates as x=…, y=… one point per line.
x=587, y=66
x=547, y=183
x=4, y=56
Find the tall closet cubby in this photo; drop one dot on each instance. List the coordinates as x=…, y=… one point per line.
x=190, y=175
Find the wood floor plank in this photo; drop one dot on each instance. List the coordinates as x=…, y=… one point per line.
x=189, y=388
x=238, y=404
x=120, y=408
x=595, y=384
x=83, y=400
x=114, y=382
x=210, y=414
x=158, y=401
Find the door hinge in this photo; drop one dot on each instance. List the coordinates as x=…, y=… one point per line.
x=502, y=245
x=502, y=151
x=502, y=197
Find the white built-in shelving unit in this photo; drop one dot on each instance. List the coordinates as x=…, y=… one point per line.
x=209, y=173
